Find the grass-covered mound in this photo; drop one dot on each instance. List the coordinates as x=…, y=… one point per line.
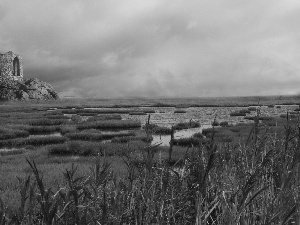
x=110, y=124
x=186, y=125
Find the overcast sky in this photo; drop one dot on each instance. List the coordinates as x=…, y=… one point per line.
x=154, y=48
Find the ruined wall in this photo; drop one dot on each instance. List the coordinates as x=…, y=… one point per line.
x=11, y=66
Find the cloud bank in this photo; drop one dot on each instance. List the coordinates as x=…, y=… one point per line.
x=143, y=48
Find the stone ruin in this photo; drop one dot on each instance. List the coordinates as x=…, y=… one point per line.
x=11, y=66
x=14, y=87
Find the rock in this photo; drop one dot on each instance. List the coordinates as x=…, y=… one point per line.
x=26, y=89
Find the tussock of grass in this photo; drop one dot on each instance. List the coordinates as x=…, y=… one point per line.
x=208, y=131
x=105, y=117
x=12, y=152
x=47, y=122
x=224, y=124
x=138, y=113
x=215, y=123
x=87, y=114
x=37, y=141
x=58, y=117
x=96, y=111
x=252, y=108
x=187, y=125
x=180, y=111
x=245, y=111
x=43, y=129
x=110, y=124
x=260, y=118
x=198, y=135
x=84, y=148
x=90, y=136
x=237, y=114
x=7, y=133
x=192, y=141
x=64, y=129
x=126, y=139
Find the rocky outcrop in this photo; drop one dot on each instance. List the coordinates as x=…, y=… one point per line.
x=26, y=89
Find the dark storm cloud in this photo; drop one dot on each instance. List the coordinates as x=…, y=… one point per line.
x=156, y=48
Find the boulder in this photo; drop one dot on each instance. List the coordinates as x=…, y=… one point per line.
x=26, y=89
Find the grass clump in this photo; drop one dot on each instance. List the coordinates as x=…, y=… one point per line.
x=105, y=117
x=224, y=124
x=7, y=133
x=162, y=130
x=186, y=125
x=252, y=108
x=35, y=141
x=237, y=114
x=245, y=111
x=47, y=122
x=93, y=136
x=64, y=129
x=43, y=129
x=192, y=141
x=110, y=124
x=215, y=123
x=137, y=113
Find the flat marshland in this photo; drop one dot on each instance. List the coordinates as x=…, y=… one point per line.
x=150, y=161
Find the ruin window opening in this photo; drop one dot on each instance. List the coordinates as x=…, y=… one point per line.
x=16, y=65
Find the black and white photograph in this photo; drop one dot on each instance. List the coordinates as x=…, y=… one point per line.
x=149, y=112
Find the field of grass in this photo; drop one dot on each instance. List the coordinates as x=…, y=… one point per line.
x=228, y=174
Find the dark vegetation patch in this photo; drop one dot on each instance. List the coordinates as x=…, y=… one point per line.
x=180, y=111
x=46, y=122
x=35, y=141
x=84, y=148
x=252, y=108
x=96, y=111
x=260, y=118
x=92, y=136
x=110, y=124
x=215, y=123
x=127, y=139
x=224, y=124
x=186, y=125
x=238, y=114
x=6, y=133
x=137, y=113
x=155, y=129
x=245, y=111
x=43, y=129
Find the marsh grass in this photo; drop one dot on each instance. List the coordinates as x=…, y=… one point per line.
x=138, y=113
x=105, y=117
x=110, y=124
x=224, y=124
x=84, y=148
x=238, y=113
x=35, y=141
x=9, y=133
x=47, y=122
x=251, y=180
x=43, y=129
x=92, y=136
x=186, y=125
x=215, y=184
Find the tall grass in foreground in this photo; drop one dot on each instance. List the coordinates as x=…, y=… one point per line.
x=256, y=182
